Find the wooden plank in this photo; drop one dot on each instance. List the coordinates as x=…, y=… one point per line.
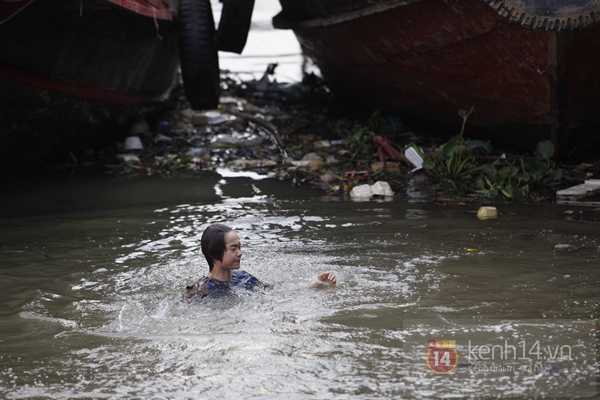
x=580, y=195
x=557, y=82
x=588, y=187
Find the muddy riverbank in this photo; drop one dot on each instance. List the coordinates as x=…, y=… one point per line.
x=298, y=132
x=295, y=131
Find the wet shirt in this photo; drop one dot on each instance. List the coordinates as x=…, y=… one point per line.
x=206, y=286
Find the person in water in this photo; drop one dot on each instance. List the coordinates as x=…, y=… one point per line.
x=223, y=251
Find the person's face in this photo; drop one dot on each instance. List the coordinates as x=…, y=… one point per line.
x=233, y=251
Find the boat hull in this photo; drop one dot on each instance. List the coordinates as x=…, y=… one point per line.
x=102, y=53
x=425, y=60
x=72, y=74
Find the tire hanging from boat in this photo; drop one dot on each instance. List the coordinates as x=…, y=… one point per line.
x=234, y=25
x=198, y=54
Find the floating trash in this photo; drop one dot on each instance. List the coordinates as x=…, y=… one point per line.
x=382, y=189
x=133, y=143
x=414, y=157
x=487, y=212
x=564, y=247
x=378, y=189
x=361, y=191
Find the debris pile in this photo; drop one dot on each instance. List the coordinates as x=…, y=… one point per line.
x=283, y=131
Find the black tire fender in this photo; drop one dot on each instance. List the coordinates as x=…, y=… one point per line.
x=198, y=54
x=234, y=25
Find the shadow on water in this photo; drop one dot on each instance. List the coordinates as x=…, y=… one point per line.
x=92, y=272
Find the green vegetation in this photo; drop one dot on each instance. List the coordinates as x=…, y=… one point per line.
x=464, y=164
x=456, y=154
x=464, y=167
x=357, y=137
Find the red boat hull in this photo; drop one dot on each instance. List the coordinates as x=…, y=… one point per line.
x=428, y=59
x=159, y=9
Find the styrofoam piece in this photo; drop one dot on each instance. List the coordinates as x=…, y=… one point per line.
x=361, y=191
x=133, y=143
x=587, y=187
x=128, y=158
x=301, y=163
x=382, y=188
x=414, y=157
x=215, y=117
x=197, y=152
x=209, y=118
x=162, y=138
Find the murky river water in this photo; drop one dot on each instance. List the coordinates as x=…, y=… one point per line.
x=92, y=271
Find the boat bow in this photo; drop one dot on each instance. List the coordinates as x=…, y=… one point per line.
x=544, y=15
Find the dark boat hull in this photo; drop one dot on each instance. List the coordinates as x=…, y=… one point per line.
x=102, y=53
x=425, y=60
x=72, y=74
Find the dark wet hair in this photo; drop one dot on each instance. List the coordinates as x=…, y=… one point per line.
x=213, y=243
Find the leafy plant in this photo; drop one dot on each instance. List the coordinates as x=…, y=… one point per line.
x=359, y=138
x=456, y=154
x=510, y=180
x=545, y=150
x=501, y=181
x=515, y=179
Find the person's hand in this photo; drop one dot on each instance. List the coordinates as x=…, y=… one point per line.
x=327, y=278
